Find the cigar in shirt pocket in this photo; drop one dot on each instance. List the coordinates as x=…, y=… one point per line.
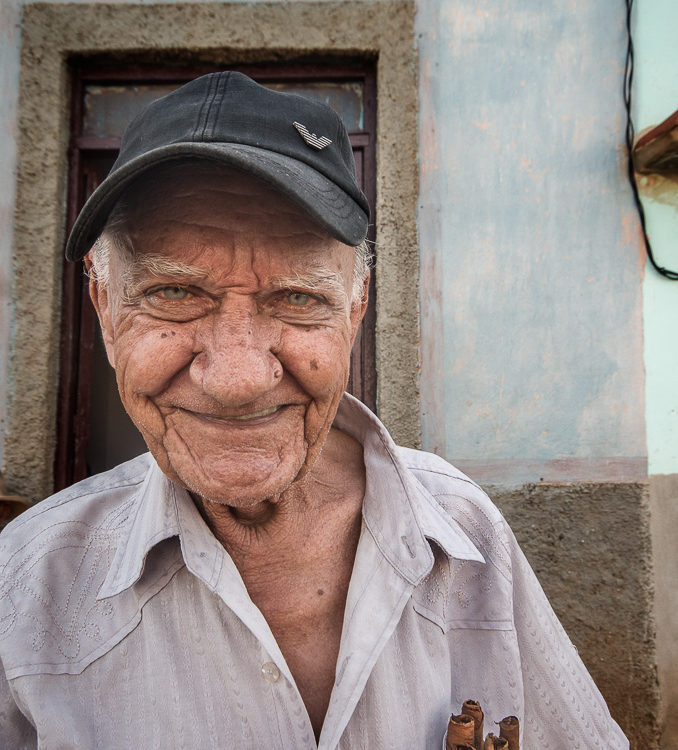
x=465, y=731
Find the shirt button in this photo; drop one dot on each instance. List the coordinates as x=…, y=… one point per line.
x=270, y=672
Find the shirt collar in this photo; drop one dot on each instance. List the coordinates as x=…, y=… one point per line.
x=153, y=518
x=398, y=511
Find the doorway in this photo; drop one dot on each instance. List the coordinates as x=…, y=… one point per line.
x=93, y=431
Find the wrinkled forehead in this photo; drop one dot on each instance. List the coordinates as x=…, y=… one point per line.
x=209, y=197
x=190, y=212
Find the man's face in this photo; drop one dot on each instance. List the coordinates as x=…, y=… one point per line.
x=230, y=332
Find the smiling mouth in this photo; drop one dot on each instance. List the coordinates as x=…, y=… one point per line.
x=256, y=414
x=241, y=417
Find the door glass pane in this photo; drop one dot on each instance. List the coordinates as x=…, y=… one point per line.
x=109, y=109
x=346, y=99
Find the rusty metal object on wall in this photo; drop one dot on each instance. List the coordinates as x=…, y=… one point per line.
x=656, y=152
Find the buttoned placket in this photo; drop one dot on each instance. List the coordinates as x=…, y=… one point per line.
x=207, y=559
x=377, y=595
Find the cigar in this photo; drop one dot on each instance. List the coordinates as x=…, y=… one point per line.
x=509, y=729
x=473, y=709
x=492, y=742
x=460, y=731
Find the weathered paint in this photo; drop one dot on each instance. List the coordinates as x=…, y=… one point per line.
x=532, y=334
x=655, y=98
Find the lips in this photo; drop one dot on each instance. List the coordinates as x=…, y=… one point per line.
x=257, y=414
x=261, y=415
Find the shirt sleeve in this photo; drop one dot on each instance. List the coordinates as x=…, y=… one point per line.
x=563, y=707
x=16, y=731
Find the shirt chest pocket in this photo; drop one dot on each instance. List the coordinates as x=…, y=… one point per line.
x=464, y=594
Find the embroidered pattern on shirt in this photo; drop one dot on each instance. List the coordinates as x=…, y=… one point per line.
x=48, y=590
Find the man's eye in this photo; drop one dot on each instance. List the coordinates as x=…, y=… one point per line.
x=174, y=293
x=298, y=299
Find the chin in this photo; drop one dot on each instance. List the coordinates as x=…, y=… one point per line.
x=243, y=490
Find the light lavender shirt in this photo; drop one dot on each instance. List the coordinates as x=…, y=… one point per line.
x=125, y=624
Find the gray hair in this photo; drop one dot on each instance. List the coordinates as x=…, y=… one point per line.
x=115, y=238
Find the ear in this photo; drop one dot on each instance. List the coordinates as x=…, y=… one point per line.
x=98, y=293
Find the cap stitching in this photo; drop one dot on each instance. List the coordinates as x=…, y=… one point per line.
x=215, y=107
x=199, y=130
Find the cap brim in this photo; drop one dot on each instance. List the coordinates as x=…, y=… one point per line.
x=325, y=202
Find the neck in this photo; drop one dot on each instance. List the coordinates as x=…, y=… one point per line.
x=295, y=556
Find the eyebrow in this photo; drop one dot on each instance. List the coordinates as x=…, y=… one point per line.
x=313, y=279
x=159, y=265
x=316, y=278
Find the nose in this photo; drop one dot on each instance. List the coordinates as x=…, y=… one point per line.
x=235, y=364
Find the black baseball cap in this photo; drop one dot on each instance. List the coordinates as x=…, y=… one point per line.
x=297, y=145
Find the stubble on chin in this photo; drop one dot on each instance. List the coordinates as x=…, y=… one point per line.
x=197, y=470
x=264, y=475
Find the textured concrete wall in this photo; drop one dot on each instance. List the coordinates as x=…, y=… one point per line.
x=664, y=514
x=588, y=545
x=222, y=34
x=9, y=64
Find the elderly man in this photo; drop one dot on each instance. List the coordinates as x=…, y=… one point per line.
x=275, y=573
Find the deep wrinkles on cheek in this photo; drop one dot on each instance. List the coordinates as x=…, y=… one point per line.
x=314, y=443
x=195, y=461
x=149, y=419
x=124, y=319
x=321, y=419
x=147, y=415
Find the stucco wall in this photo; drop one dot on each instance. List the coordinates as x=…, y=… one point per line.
x=656, y=97
x=532, y=329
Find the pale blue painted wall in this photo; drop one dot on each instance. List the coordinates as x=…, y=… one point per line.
x=531, y=311
x=656, y=97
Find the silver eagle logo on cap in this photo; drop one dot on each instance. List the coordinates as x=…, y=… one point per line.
x=311, y=138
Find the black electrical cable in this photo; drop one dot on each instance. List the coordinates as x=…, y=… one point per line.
x=628, y=84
